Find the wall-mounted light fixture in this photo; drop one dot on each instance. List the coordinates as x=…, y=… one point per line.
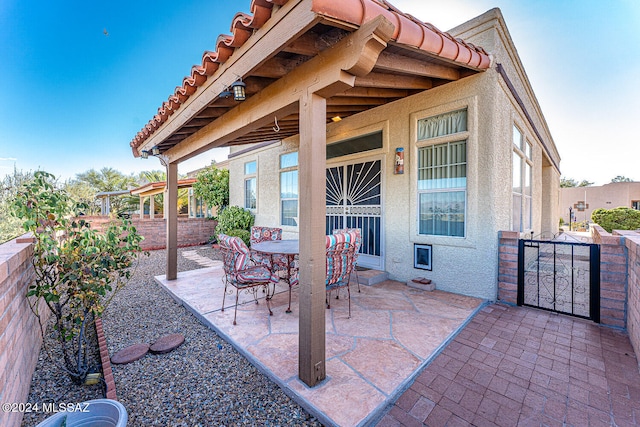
x=238, y=88
x=155, y=152
x=336, y=119
x=225, y=94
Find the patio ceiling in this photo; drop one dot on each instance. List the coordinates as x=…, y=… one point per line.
x=281, y=37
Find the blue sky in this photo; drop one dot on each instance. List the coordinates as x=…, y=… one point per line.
x=73, y=97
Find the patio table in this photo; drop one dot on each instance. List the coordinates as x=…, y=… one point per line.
x=289, y=248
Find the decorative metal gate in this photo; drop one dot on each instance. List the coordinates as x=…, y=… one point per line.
x=354, y=200
x=560, y=276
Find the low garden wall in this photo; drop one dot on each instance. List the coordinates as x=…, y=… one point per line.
x=191, y=231
x=629, y=243
x=619, y=277
x=20, y=337
x=613, y=275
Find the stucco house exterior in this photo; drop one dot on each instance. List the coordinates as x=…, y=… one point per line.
x=478, y=158
x=352, y=112
x=584, y=200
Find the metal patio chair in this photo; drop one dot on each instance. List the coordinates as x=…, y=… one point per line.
x=340, y=254
x=358, y=243
x=241, y=272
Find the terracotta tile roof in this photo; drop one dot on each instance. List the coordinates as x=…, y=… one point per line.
x=409, y=31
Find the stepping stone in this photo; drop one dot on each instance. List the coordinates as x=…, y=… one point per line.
x=167, y=343
x=130, y=354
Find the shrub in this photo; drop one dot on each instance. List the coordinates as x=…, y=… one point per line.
x=213, y=187
x=243, y=234
x=621, y=218
x=77, y=269
x=233, y=218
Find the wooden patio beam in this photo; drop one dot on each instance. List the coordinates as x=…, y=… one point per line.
x=334, y=70
x=352, y=100
x=366, y=92
x=395, y=63
x=394, y=81
x=277, y=67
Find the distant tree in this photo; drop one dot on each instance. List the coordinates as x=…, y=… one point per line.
x=621, y=178
x=213, y=186
x=621, y=218
x=109, y=179
x=570, y=183
x=147, y=177
x=10, y=226
x=567, y=182
x=83, y=193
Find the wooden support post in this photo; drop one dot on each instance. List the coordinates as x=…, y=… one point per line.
x=141, y=207
x=312, y=177
x=171, y=217
x=152, y=206
x=165, y=199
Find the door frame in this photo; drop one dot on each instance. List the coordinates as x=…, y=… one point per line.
x=363, y=158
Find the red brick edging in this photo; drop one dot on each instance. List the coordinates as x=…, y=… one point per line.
x=106, y=362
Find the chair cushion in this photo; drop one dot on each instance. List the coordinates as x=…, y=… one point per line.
x=261, y=234
x=254, y=274
x=356, y=238
x=236, y=245
x=339, y=261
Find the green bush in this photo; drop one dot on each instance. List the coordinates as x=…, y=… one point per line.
x=77, y=269
x=243, y=234
x=234, y=218
x=621, y=218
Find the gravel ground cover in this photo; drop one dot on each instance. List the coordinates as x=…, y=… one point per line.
x=204, y=382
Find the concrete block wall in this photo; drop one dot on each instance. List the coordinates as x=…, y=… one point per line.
x=191, y=231
x=632, y=244
x=613, y=278
x=508, y=266
x=20, y=337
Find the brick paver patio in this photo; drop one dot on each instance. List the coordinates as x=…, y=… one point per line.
x=516, y=366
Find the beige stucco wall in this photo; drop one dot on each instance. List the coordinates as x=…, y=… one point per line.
x=466, y=265
x=606, y=196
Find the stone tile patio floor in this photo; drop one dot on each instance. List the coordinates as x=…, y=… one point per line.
x=516, y=366
x=507, y=366
x=393, y=332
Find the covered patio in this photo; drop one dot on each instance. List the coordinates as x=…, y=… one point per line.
x=303, y=64
x=371, y=358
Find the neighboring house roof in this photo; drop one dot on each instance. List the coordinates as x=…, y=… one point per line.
x=158, y=187
x=417, y=57
x=106, y=194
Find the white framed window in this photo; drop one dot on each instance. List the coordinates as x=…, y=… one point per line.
x=289, y=189
x=250, y=188
x=522, y=166
x=442, y=175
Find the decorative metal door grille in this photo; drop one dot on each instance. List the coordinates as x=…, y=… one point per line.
x=354, y=201
x=560, y=276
